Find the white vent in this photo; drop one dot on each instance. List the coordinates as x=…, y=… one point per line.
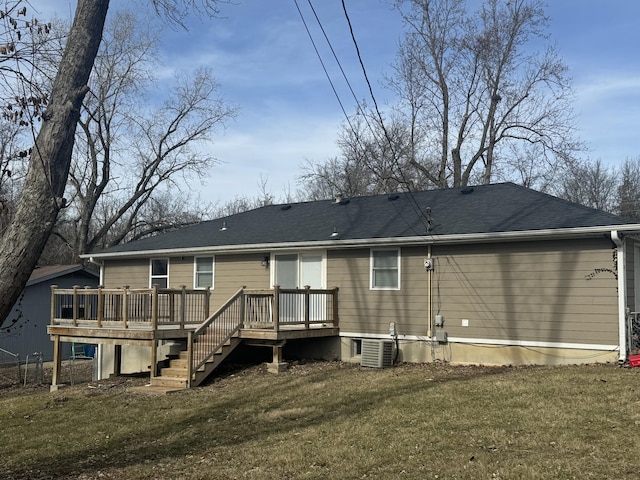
x=377, y=353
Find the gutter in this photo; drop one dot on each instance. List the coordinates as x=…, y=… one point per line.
x=488, y=237
x=617, y=238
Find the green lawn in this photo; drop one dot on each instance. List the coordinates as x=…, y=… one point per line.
x=335, y=421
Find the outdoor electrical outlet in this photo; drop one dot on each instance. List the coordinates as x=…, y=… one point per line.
x=428, y=264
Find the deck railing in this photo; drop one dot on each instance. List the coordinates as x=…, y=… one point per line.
x=153, y=308
x=150, y=308
x=279, y=308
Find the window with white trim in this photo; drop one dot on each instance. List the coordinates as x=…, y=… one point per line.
x=159, y=272
x=203, y=272
x=385, y=269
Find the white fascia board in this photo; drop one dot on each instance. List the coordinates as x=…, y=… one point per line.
x=490, y=237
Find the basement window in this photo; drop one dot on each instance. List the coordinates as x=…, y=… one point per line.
x=356, y=347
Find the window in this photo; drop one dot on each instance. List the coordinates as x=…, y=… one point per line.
x=160, y=272
x=385, y=269
x=203, y=272
x=356, y=347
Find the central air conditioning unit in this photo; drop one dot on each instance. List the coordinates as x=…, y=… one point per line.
x=376, y=353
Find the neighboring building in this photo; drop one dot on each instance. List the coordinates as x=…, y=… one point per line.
x=25, y=330
x=492, y=274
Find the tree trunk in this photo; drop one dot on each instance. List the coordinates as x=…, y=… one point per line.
x=42, y=196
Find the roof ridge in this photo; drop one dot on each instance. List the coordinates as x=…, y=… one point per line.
x=569, y=202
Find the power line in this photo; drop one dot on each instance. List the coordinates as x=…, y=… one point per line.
x=344, y=75
x=335, y=92
x=413, y=202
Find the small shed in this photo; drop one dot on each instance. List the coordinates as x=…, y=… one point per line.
x=25, y=330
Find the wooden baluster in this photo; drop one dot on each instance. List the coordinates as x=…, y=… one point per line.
x=242, y=307
x=53, y=304
x=125, y=306
x=100, y=307
x=183, y=305
x=154, y=307
x=276, y=308
x=75, y=305
x=336, y=319
x=307, y=306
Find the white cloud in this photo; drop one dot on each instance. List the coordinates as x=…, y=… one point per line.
x=274, y=148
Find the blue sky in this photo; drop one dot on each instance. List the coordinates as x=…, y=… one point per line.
x=263, y=59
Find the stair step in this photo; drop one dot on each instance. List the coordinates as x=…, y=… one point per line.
x=184, y=362
x=166, y=381
x=174, y=372
x=175, y=376
x=179, y=363
x=156, y=389
x=184, y=355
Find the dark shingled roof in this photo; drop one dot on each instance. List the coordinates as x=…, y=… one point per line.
x=503, y=207
x=50, y=272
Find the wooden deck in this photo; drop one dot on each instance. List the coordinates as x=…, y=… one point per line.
x=147, y=317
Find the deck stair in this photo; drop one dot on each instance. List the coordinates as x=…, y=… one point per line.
x=207, y=346
x=176, y=376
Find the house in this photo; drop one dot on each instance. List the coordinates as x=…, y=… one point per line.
x=24, y=331
x=491, y=274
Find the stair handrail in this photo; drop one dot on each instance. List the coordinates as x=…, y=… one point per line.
x=193, y=335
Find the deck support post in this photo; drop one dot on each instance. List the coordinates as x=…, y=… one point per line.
x=154, y=357
x=277, y=365
x=117, y=360
x=57, y=364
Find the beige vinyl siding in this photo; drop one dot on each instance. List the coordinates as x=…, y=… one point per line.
x=181, y=272
x=134, y=273
x=370, y=311
x=235, y=271
x=231, y=272
x=560, y=292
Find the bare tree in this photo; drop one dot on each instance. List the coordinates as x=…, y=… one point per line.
x=374, y=159
x=591, y=184
x=42, y=196
x=483, y=96
x=628, y=204
x=128, y=155
x=243, y=203
x=474, y=85
x=12, y=169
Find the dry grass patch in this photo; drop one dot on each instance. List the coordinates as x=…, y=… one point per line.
x=332, y=420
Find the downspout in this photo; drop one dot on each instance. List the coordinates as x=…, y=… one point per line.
x=100, y=265
x=622, y=294
x=429, y=292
